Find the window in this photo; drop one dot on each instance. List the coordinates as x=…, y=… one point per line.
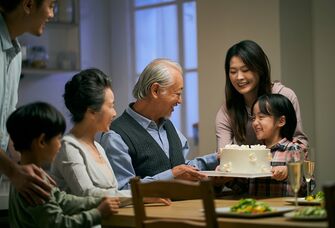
x=167, y=28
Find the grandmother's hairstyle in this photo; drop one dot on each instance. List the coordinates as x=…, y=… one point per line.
x=86, y=90
x=157, y=71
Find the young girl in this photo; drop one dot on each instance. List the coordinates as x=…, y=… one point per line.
x=36, y=130
x=274, y=122
x=248, y=77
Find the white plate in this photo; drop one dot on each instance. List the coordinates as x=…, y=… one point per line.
x=242, y=175
x=290, y=215
x=225, y=211
x=303, y=201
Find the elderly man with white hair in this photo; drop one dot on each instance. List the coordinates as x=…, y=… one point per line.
x=143, y=141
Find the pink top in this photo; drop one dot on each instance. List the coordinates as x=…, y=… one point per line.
x=225, y=135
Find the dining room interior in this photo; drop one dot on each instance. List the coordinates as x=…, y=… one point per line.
x=298, y=37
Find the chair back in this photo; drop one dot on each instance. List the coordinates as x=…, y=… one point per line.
x=329, y=190
x=176, y=190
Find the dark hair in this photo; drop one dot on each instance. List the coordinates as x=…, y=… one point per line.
x=8, y=6
x=277, y=105
x=30, y=121
x=256, y=60
x=86, y=90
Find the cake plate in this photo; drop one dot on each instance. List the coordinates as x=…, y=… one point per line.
x=241, y=175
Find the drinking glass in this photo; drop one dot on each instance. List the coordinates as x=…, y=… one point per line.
x=308, y=168
x=294, y=165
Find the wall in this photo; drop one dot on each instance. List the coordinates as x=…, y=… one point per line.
x=95, y=52
x=296, y=42
x=324, y=60
x=47, y=88
x=120, y=49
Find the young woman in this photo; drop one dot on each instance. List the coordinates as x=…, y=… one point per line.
x=248, y=77
x=274, y=122
x=81, y=167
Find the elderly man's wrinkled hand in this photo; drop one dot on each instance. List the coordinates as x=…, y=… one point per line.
x=186, y=172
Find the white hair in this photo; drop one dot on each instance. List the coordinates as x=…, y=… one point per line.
x=157, y=71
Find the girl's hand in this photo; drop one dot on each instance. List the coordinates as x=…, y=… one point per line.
x=279, y=173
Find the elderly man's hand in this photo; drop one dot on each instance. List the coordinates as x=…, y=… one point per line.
x=187, y=172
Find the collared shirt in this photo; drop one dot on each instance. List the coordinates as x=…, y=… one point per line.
x=271, y=187
x=118, y=155
x=10, y=71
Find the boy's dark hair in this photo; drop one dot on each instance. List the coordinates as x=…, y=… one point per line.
x=30, y=121
x=86, y=90
x=8, y=6
x=278, y=105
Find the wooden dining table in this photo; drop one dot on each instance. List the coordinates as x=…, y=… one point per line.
x=192, y=210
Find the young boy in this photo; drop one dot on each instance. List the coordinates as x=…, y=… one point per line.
x=274, y=122
x=36, y=130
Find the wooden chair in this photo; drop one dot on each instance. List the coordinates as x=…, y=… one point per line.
x=177, y=190
x=329, y=190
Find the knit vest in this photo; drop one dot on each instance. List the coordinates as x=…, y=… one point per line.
x=148, y=158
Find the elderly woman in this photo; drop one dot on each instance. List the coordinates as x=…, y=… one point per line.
x=81, y=167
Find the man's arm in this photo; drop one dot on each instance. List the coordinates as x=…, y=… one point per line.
x=206, y=162
x=27, y=179
x=120, y=160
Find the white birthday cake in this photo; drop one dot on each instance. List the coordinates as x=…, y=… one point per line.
x=245, y=159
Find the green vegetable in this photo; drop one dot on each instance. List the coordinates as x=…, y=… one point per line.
x=310, y=211
x=320, y=195
x=250, y=206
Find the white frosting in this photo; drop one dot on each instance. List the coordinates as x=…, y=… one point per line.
x=245, y=159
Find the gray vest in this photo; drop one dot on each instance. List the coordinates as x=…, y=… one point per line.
x=148, y=158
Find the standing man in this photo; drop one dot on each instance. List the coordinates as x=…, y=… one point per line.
x=143, y=141
x=18, y=17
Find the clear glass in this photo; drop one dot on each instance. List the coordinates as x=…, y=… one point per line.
x=308, y=168
x=294, y=160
